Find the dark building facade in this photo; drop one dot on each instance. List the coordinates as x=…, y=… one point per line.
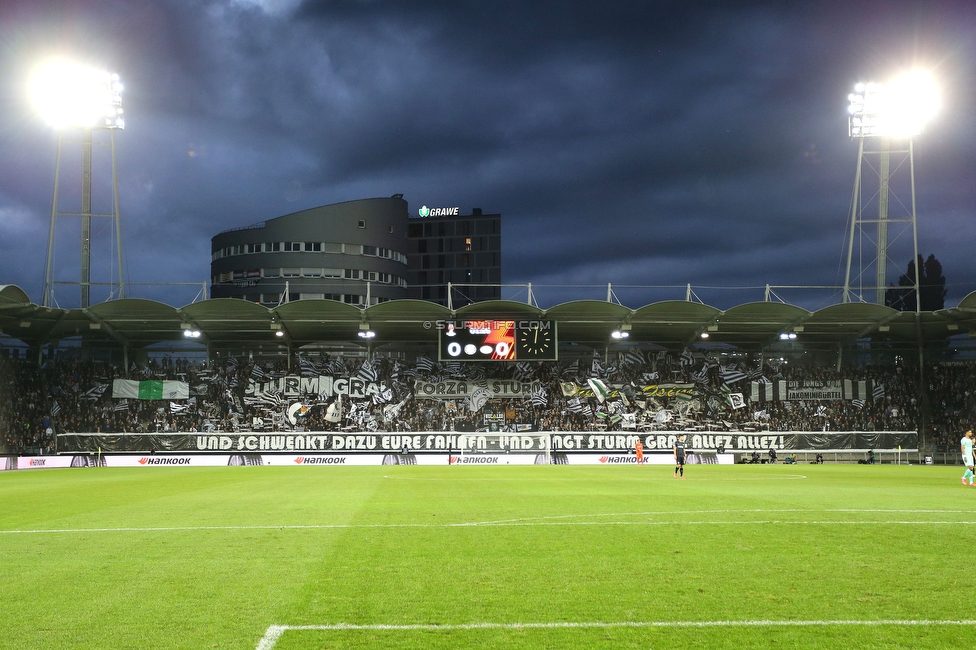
x=354, y=252
x=448, y=247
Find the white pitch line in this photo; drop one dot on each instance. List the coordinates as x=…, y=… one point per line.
x=274, y=632
x=642, y=479
x=526, y=524
x=651, y=513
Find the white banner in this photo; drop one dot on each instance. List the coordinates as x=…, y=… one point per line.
x=498, y=459
x=497, y=388
x=153, y=390
x=43, y=462
x=176, y=460
x=631, y=459
x=323, y=460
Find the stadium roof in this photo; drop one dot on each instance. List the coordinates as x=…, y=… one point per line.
x=226, y=322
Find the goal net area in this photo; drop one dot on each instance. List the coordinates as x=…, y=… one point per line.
x=474, y=445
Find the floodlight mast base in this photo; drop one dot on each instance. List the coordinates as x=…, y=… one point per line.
x=854, y=291
x=85, y=214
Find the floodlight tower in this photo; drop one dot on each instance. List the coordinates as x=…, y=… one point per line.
x=73, y=96
x=881, y=115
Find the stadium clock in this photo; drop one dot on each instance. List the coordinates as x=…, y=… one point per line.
x=536, y=342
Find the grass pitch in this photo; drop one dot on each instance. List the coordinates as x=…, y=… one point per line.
x=499, y=557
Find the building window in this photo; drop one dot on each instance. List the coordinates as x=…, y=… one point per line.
x=362, y=223
x=314, y=246
x=415, y=230
x=391, y=230
x=331, y=273
x=352, y=274
x=464, y=259
x=467, y=243
x=291, y=273
x=421, y=245
x=369, y=250
x=425, y=262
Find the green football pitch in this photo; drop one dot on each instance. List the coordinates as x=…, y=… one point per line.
x=501, y=557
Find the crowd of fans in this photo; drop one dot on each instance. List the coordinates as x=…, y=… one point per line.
x=37, y=403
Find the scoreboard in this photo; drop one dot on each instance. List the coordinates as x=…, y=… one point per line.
x=498, y=340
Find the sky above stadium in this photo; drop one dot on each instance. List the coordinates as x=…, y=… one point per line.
x=630, y=143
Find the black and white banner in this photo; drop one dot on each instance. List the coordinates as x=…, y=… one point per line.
x=829, y=389
x=496, y=388
x=382, y=443
x=324, y=386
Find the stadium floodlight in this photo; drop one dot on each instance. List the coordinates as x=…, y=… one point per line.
x=70, y=95
x=620, y=334
x=899, y=109
x=367, y=334
x=880, y=113
x=73, y=95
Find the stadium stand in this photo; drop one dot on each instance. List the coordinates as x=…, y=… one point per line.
x=665, y=392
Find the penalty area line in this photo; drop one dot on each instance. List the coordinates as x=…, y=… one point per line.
x=274, y=632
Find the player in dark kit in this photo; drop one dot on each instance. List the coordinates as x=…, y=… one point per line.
x=679, y=457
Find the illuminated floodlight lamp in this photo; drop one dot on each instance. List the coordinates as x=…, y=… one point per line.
x=191, y=334
x=704, y=335
x=367, y=334
x=72, y=95
x=620, y=334
x=787, y=336
x=899, y=108
x=279, y=333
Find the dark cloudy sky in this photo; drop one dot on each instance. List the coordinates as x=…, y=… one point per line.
x=657, y=143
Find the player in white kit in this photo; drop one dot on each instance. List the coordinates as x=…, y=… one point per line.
x=966, y=446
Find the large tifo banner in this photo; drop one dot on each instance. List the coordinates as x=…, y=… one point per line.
x=378, y=443
x=816, y=390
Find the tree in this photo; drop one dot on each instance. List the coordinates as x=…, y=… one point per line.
x=931, y=286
